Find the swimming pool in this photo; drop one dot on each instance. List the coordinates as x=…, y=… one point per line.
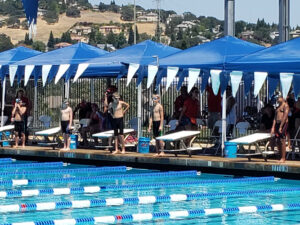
x=60, y=193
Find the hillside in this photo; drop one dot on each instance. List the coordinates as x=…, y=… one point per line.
x=43, y=29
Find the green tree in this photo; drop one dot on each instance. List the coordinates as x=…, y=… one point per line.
x=137, y=34
x=5, y=43
x=27, y=41
x=127, y=13
x=121, y=40
x=73, y=12
x=131, y=36
x=240, y=27
x=66, y=37
x=63, y=7
x=51, y=41
x=39, y=46
x=100, y=38
x=111, y=38
x=188, y=16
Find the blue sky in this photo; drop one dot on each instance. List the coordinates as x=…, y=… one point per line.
x=247, y=10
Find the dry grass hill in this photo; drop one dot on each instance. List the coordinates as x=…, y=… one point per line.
x=65, y=23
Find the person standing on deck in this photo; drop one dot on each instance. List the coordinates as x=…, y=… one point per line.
x=157, y=121
x=18, y=114
x=66, y=123
x=279, y=127
x=117, y=109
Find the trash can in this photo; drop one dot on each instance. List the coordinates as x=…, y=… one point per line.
x=143, y=145
x=230, y=149
x=74, y=141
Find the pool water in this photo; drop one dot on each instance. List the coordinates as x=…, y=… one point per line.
x=248, y=198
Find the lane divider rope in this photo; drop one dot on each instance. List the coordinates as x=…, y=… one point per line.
x=139, y=217
x=66, y=171
x=25, y=182
x=96, y=189
x=6, y=160
x=90, y=203
x=31, y=165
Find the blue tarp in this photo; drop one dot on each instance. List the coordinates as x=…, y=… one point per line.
x=72, y=55
x=14, y=55
x=114, y=63
x=212, y=55
x=284, y=57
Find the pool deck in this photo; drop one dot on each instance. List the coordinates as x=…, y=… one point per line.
x=240, y=166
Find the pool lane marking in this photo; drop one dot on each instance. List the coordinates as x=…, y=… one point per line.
x=89, y=203
x=65, y=171
x=25, y=182
x=31, y=165
x=180, y=214
x=96, y=189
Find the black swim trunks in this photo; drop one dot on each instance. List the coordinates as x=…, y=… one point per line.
x=118, y=126
x=282, y=134
x=65, y=127
x=156, y=131
x=19, y=127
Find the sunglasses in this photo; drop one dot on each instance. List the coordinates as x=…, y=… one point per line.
x=154, y=98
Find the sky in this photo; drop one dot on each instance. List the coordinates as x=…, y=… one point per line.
x=247, y=10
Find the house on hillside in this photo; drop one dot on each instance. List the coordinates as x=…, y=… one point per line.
x=80, y=38
x=61, y=45
x=41, y=12
x=172, y=17
x=295, y=33
x=108, y=47
x=274, y=34
x=81, y=30
x=248, y=34
x=107, y=29
x=148, y=18
x=184, y=25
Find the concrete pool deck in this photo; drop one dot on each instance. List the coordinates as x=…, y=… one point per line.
x=240, y=166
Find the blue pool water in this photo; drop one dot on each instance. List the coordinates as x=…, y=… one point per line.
x=221, y=201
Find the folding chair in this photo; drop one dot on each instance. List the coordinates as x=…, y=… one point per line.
x=133, y=123
x=172, y=125
x=215, y=136
x=295, y=142
x=5, y=118
x=46, y=120
x=242, y=128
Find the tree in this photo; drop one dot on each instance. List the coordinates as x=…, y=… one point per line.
x=39, y=46
x=188, y=16
x=51, y=41
x=111, y=38
x=5, y=43
x=137, y=34
x=73, y=12
x=27, y=41
x=131, y=36
x=66, y=37
x=127, y=13
x=121, y=40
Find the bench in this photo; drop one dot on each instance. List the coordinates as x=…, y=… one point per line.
x=181, y=136
x=48, y=133
x=254, y=140
x=110, y=134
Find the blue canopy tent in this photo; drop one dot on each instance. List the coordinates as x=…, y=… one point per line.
x=214, y=56
x=114, y=64
x=282, y=59
x=59, y=63
x=7, y=58
x=137, y=57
